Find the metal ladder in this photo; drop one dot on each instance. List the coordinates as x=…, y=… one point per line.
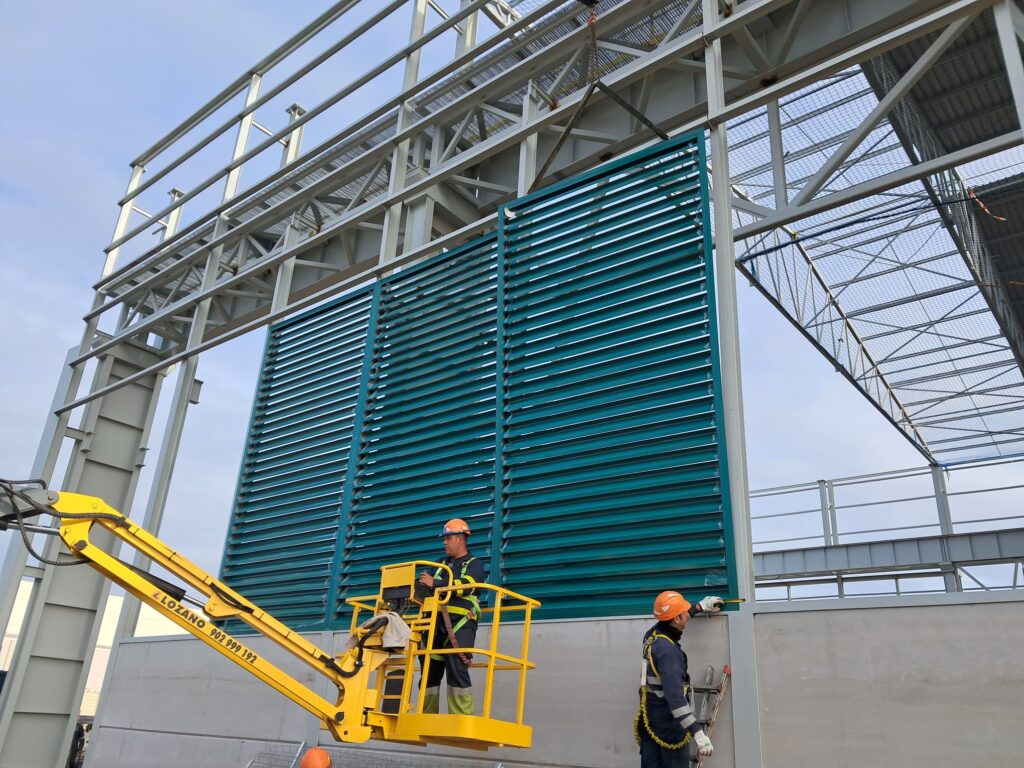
x=708, y=690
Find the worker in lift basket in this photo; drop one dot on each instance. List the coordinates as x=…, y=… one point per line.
x=455, y=625
x=665, y=725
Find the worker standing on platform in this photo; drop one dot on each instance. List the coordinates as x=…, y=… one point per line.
x=665, y=725
x=455, y=625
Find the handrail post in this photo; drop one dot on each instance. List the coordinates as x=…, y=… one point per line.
x=826, y=519
x=833, y=519
x=524, y=655
x=949, y=575
x=122, y=218
x=242, y=139
x=489, y=677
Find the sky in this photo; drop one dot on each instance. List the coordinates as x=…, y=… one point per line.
x=89, y=86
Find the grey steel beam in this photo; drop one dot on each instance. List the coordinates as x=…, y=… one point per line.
x=882, y=183
x=41, y=698
x=349, y=89
x=847, y=348
x=239, y=159
x=742, y=654
x=948, y=192
x=13, y=564
x=1008, y=597
x=868, y=124
x=882, y=556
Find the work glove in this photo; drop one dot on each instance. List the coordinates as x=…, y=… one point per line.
x=704, y=748
x=711, y=604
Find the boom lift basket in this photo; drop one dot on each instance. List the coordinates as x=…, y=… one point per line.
x=375, y=697
x=394, y=682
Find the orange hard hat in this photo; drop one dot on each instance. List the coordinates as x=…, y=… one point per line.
x=455, y=525
x=668, y=605
x=315, y=758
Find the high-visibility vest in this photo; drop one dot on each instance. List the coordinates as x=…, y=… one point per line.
x=461, y=603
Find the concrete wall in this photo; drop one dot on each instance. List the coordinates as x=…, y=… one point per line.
x=939, y=685
x=176, y=698
x=894, y=684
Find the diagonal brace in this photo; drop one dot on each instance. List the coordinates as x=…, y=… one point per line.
x=578, y=113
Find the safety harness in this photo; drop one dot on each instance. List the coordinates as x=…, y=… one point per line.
x=472, y=612
x=641, y=715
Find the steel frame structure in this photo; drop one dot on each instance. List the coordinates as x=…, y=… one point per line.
x=899, y=289
x=426, y=170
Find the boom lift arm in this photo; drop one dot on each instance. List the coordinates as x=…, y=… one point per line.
x=367, y=705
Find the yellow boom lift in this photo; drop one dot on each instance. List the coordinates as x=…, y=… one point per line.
x=376, y=698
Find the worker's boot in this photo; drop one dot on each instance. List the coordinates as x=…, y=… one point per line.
x=460, y=701
x=432, y=701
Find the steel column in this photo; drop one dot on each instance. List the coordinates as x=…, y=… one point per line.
x=950, y=578
x=242, y=139
x=528, y=146
x=185, y=391
x=1005, y=15
x=40, y=702
x=293, y=144
x=746, y=716
x=12, y=566
x=467, y=33
x=824, y=496
x=778, y=154
x=283, y=282
x=400, y=156
x=123, y=216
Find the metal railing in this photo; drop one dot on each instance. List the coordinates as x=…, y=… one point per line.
x=888, y=506
x=498, y=605
x=887, y=584
x=283, y=756
x=929, y=501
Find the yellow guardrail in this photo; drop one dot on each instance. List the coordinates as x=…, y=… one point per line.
x=422, y=614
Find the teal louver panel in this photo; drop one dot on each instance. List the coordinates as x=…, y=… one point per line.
x=613, y=469
x=427, y=449
x=283, y=531
x=556, y=383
